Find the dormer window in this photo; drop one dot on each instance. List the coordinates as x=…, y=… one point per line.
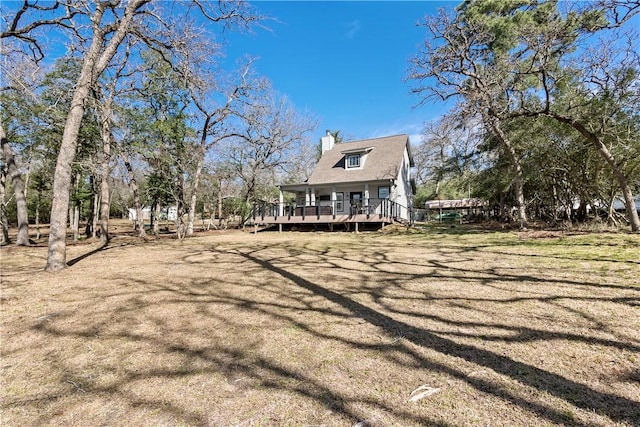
x=353, y=161
x=355, y=158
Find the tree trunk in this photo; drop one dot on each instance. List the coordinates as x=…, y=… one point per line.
x=57, y=251
x=194, y=191
x=193, y=199
x=133, y=184
x=152, y=219
x=610, y=212
x=180, y=205
x=94, y=62
x=155, y=223
x=89, y=228
x=4, y=221
x=105, y=208
x=554, y=204
x=105, y=171
x=623, y=183
x=37, y=222
x=522, y=213
x=18, y=188
x=502, y=212
x=95, y=214
x=518, y=181
x=219, y=202
x=76, y=223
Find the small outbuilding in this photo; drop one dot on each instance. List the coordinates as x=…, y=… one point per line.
x=455, y=209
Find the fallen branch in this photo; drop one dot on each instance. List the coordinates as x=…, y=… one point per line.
x=422, y=392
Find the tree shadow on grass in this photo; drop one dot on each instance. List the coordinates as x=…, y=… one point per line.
x=290, y=306
x=617, y=408
x=103, y=247
x=217, y=359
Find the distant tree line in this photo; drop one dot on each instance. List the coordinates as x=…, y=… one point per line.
x=111, y=106
x=546, y=115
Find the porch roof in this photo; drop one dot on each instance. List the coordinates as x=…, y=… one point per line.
x=455, y=204
x=302, y=187
x=294, y=187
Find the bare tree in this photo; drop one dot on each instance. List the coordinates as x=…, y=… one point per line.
x=95, y=60
x=520, y=61
x=601, y=106
x=18, y=189
x=133, y=184
x=595, y=92
x=105, y=93
x=110, y=23
x=18, y=79
x=453, y=63
x=4, y=221
x=448, y=149
x=215, y=125
x=267, y=146
x=303, y=161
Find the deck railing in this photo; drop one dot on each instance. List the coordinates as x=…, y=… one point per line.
x=372, y=209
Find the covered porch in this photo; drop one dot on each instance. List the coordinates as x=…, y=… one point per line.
x=335, y=204
x=381, y=211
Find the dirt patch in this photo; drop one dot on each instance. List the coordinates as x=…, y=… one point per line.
x=235, y=328
x=540, y=234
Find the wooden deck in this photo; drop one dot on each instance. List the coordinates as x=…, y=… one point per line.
x=323, y=219
x=381, y=213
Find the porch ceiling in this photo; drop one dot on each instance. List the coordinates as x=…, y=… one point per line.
x=294, y=187
x=339, y=186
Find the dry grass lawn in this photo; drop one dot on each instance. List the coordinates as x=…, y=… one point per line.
x=325, y=329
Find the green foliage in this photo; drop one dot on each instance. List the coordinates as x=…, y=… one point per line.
x=236, y=206
x=35, y=117
x=159, y=133
x=502, y=19
x=566, y=100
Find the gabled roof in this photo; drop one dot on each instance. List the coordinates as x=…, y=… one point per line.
x=384, y=160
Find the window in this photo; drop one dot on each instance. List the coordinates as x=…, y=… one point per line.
x=383, y=192
x=353, y=161
x=339, y=202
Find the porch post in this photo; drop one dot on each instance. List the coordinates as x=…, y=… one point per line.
x=280, y=204
x=334, y=202
x=366, y=199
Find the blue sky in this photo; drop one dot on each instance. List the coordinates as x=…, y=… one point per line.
x=344, y=62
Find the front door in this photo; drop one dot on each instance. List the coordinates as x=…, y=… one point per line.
x=356, y=202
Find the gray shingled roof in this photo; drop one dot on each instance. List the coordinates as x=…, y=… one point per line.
x=383, y=161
